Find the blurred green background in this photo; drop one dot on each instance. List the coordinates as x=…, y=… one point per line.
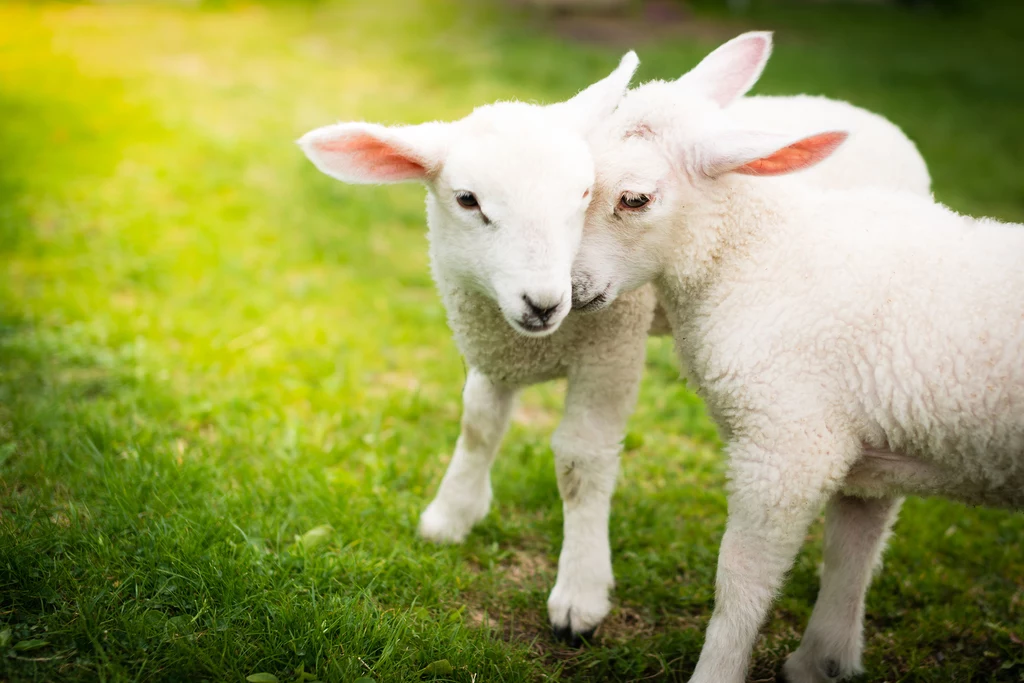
x=208, y=349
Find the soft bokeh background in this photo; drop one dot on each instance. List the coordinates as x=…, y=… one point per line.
x=208, y=349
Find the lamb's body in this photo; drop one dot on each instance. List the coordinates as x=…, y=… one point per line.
x=602, y=356
x=889, y=360
x=898, y=323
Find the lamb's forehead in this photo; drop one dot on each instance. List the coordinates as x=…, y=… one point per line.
x=633, y=150
x=516, y=143
x=635, y=164
x=659, y=109
x=506, y=114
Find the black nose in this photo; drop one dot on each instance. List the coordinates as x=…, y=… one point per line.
x=542, y=313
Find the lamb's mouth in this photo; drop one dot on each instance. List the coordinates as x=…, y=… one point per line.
x=596, y=302
x=533, y=329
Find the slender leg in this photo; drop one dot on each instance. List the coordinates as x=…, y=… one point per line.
x=599, y=401
x=773, y=499
x=856, y=530
x=465, y=493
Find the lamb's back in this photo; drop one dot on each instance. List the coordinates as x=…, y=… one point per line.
x=877, y=154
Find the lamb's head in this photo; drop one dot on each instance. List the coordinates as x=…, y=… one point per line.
x=664, y=162
x=508, y=188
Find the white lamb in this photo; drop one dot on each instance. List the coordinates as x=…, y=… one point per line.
x=507, y=190
x=853, y=346
x=508, y=187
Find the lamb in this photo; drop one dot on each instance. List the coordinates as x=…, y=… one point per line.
x=502, y=240
x=507, y=191
x=854, y=346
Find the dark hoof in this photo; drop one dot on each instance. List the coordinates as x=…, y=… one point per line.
x=566, y=635
x=832, y=669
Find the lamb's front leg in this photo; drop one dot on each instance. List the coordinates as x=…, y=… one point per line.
x=598, y=403
x=855, y=533
x=465, y=492
x=774, y=497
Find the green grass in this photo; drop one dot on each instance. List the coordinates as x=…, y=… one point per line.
x=207, y=349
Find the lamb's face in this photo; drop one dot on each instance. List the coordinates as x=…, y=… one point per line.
x=508, y=188
x=626, y=226
x=506, y=211
x=650, y=172
x=646, y=186
x=664, y=187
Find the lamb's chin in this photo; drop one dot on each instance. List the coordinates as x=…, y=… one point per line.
x=599, y=302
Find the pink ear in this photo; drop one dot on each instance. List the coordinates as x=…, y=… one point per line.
x=732, y=69
x=591, y=106
x=374, y=158
x=797, y=156
x=370, y=153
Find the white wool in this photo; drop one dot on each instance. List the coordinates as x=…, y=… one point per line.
x=854, y=346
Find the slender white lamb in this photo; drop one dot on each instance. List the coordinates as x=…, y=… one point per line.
x=500, y=231
x=854, y=346
x=507, y=191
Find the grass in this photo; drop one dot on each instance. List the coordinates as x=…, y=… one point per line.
x=207, y=349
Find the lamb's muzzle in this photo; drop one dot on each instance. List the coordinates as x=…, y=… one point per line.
x=540, y=316
x=586, y=296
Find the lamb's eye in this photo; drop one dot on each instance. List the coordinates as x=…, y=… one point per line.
x=467, y=200
x=634, y=200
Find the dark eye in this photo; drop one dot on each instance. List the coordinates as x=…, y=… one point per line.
x=466, y=200
x=633, y=200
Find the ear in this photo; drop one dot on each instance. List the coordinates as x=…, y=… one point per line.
x=593, y=105
x=765, y=153
x=731, y=70
x=370, y=153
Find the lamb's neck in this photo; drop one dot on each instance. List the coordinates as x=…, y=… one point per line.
x=735, y=218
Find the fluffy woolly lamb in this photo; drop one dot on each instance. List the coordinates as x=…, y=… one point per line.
x=507, y=191
x=853, y=346
x=502, y=240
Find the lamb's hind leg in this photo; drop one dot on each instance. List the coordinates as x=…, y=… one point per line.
x=598, y=403
x=465, y=492
x=856, y=530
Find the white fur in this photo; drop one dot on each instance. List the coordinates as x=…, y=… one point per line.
x=854, y=346
x=601, y=353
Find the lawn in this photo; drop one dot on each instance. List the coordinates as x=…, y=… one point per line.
x=209, y=351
